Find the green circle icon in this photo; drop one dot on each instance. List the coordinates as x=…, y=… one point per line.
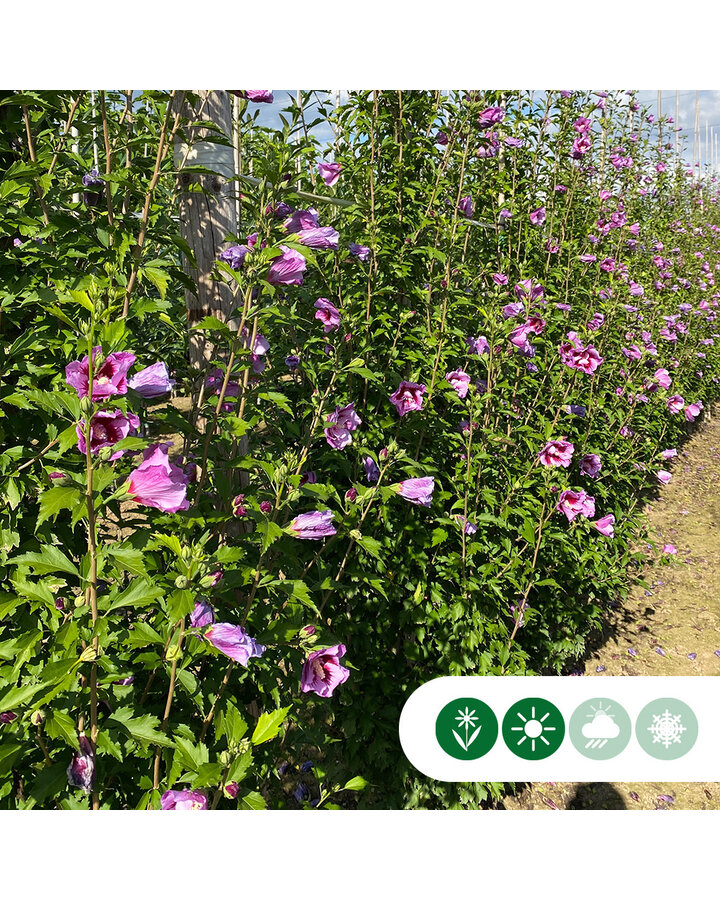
x=600, y=728
x=466, y=728
x=533, y=728
x=666, y=728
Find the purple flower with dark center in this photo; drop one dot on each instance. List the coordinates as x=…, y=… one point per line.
x=234, y=642
x=408, y=397
x=537, y=216
x=152, y=381
x=346, y=417
x=529, y=290
x=107, y=427
x=556, y=453
x=182, y=800
x=338, y=437
x=576, y=503
x=92, y=179
x=81, y=771
x=157, y=482
x=417, y=490
x=467, y=526
x=493, y=115
x=292, y=362
x=360, y=251
x=202, y=615
x=287, y=268
x=313, y=526
x=575, y=409
x=327, y=313
x=321, y=238
x=322, y=671
x=459, y=381
x=466, y=207
x=511, y=310
x=478, y=345
x=109, y=378
x=372, y=472
x=302, y=220
x=590, y=465
x=329, y=172
x=235, y=255
x=265, y=506
x=257, y=96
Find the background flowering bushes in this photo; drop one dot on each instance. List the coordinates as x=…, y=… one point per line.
x=419, y=448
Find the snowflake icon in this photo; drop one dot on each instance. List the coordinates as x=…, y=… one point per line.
x=667, y=729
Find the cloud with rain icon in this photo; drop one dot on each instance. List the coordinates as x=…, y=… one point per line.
x=600, y=730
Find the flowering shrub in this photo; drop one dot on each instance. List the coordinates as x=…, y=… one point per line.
x=456, y=362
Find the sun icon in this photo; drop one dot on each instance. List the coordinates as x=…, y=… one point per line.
x=533, y=728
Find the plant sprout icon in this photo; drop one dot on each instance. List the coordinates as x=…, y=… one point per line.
x=468, y=719
x=533, y=729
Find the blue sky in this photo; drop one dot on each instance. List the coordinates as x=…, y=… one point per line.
x=708, y=106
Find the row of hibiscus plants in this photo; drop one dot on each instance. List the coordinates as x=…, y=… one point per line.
x=418, y=446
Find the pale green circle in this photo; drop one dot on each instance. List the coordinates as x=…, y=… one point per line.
x=666, y=728
x=600, y=728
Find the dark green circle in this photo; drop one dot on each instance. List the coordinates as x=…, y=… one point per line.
x=471, y=742
x=532, y=745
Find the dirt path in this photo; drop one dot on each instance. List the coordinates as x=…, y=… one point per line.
x=672, y=628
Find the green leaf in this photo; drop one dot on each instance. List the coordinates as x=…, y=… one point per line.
x=126, y=559
x=49, y=782
x=59, y=724
x=191, y=756
x=277, y=399
x=212, y=323
x=141, y=592
x=158, y=277
x=50, y=559
x=143, y=729
x=55, y=499
x=252, y=800
x=357, y=783
x=269, y=725
x=239, y=767
x=270, y=532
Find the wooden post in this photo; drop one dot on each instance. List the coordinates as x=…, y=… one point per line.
x=207, y=211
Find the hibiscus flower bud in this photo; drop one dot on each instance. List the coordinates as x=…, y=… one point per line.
x=81, y=771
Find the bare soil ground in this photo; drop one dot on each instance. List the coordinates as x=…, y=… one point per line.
x=671, y=628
